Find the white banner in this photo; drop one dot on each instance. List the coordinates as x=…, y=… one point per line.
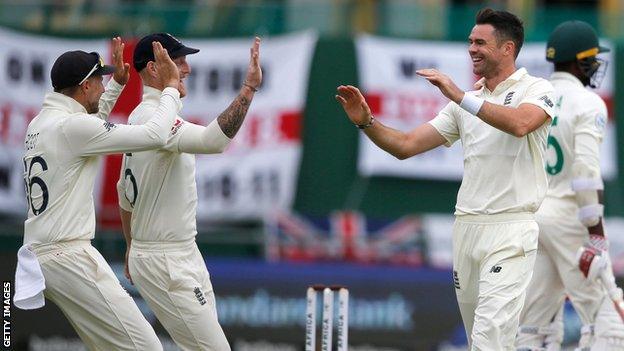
x=401, y=99
x=25, y=64
x=258, y=171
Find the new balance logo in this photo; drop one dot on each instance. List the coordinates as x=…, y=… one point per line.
x=456, y=280
x=547, y=101
x=495, y=269
x=109, y=126
x=200, y=296
x=508, y=98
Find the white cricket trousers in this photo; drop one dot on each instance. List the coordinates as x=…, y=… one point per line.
x=173, y=279
x=81, y=283
x=557, y=272
x=493, y=258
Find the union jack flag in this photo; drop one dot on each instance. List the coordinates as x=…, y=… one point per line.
x=345, y=235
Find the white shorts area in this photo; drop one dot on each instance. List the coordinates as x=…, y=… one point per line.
x=173, y=279
x=493, y=257
x=84, y=287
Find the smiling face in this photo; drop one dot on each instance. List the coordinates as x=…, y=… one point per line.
x=487, y=51
x=185, y=69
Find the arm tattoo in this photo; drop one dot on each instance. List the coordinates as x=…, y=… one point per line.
x=231, y=119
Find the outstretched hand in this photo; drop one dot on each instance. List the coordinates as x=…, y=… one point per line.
x=254, y=72
x=354, y=104
x=166, y=69
x=122, y=69
x=443, y=82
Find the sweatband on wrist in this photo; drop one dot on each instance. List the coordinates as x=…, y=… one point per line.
x=471, y=103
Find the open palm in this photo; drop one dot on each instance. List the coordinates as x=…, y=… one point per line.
x=354, y=104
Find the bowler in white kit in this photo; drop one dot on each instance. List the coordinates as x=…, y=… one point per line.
x=503, y=128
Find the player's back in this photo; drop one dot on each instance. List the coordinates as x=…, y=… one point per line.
x=58, y=182
x=578, y=111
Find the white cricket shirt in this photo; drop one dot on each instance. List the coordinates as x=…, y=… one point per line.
x=575, y=135
x=502, y=173
x=61, y=160
x=158, y=186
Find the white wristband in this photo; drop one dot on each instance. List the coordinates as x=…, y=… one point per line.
x=471, y=103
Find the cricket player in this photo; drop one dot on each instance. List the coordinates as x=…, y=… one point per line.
x=503, y=128
x=572, y=249
x=158, y=203
x=62, y=146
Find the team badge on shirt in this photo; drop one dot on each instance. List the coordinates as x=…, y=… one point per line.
x=508, y=98
x=200, y=296
x=176, y=126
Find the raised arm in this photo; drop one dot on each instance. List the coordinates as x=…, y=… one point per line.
x=88, y=135
x=115, y=85
x=232, y=118
x=397, y=143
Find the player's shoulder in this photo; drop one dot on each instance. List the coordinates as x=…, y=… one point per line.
x=533, y=82
x=592, y=98
x=143, y=112
x=585, y=99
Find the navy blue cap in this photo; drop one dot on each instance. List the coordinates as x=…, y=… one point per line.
x=73, y=67
x=144, y=52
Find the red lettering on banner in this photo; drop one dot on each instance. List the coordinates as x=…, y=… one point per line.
x=290, y=126
x=374, y=101
x=5, y=113
x=31, y=113
x=417, y=106
x=610, y=107
x=253, y=129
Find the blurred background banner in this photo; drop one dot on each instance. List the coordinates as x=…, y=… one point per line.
x=401, y=99
x=25, y=64
x=258, y=171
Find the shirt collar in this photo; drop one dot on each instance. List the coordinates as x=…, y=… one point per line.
x=512, y=79
x=62, y=102
x=151, y=94
x=567, y=77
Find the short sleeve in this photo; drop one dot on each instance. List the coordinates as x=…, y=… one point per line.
x=541, y=94
x=592, y=119
x=446, y=124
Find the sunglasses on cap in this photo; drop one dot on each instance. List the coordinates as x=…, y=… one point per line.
x=98, y=64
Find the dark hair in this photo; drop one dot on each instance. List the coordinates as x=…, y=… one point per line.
x=507, y=26
x=69, y=91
